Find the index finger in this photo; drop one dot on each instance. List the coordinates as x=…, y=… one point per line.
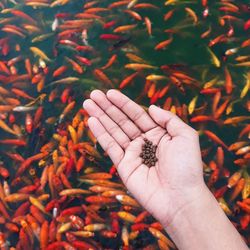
x=174, y=125
x=135, y=112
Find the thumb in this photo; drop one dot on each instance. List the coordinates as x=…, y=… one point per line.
x=166, y=119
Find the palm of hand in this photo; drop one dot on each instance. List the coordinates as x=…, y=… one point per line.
x=123, y=138
x=162, y=183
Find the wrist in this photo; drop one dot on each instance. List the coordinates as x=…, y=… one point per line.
x=197, y=202
x=202, y=224
x=182, y=202
x=187, y=224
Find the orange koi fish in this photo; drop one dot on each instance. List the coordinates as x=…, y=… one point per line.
x=192, y=14
x=74, y=191
x=21, y=93
x=96, y=176
x=95, y=227
x=238, y=189
x=233, y=180
x=110, y=62
x=128, y=217
x=44, y=235
x=124, y=28
x=25, y=165
x=246, y=188
x=163, y=44
x=134, y=14
x=75, y=65
x=221, y=109
x=139, y=66
x=202, y=118
x=215, y=138
x=146, y=6
x=16, y=142
x=127, y=80
x=159, y=235
x=228, y=82
x=14, y=30
x=148, y=25
x=13, y=198
x=236, y=119
x=100, y=199
x=66, y=110
x=99, y=74
x=168, y=15
x=6, y=128
x=243, y=150
x=127, y=200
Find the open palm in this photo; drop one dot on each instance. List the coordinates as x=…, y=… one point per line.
x=120, y=126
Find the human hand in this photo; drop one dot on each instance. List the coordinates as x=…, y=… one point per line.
x=120, y=125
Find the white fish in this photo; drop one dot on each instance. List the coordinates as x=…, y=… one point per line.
x=131, y=4
x=6, y=188
x=231, y=51
x=24, y=108
x=42, y=63
x=85, y=37
x=55, y=212
x=55, y=24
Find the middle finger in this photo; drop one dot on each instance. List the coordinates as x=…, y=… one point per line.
x=130, y=129
x=112, y=128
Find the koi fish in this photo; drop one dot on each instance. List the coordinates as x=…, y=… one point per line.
x=215, y=138
x=214, y=58
x=139, y=66
x=127, y=80
x=124, y=28
x=40, y=53
x=163, y=44
x=6, y=128
x=192, y=14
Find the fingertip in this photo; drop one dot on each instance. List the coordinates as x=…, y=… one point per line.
x=112, y=92
x=95, y=93
x=86, y=104
x=153, y=108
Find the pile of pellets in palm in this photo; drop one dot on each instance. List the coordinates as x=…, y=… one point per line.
x=148, y=153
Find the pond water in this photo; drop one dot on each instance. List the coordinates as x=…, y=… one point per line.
x=190, y=57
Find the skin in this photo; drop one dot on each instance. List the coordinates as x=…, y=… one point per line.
x=173, y=190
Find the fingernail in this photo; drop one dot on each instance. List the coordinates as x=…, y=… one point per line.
x=85, y=103
x=153, y=106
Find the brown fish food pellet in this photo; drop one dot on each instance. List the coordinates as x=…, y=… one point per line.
x=148, y=153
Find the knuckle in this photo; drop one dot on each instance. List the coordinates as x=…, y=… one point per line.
x=113, y=130
x=135, y=135
x=110, y=145
x=101, y=116
x=126, y=144
x=122, y=122
x=123, y=106
x=109, y=109
x=138, y=115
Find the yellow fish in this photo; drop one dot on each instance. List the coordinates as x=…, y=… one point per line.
x=214, y=58
x=139, y=66
x=156, y=77
x=40, y=53
x=246, y=87
x=192, y=105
